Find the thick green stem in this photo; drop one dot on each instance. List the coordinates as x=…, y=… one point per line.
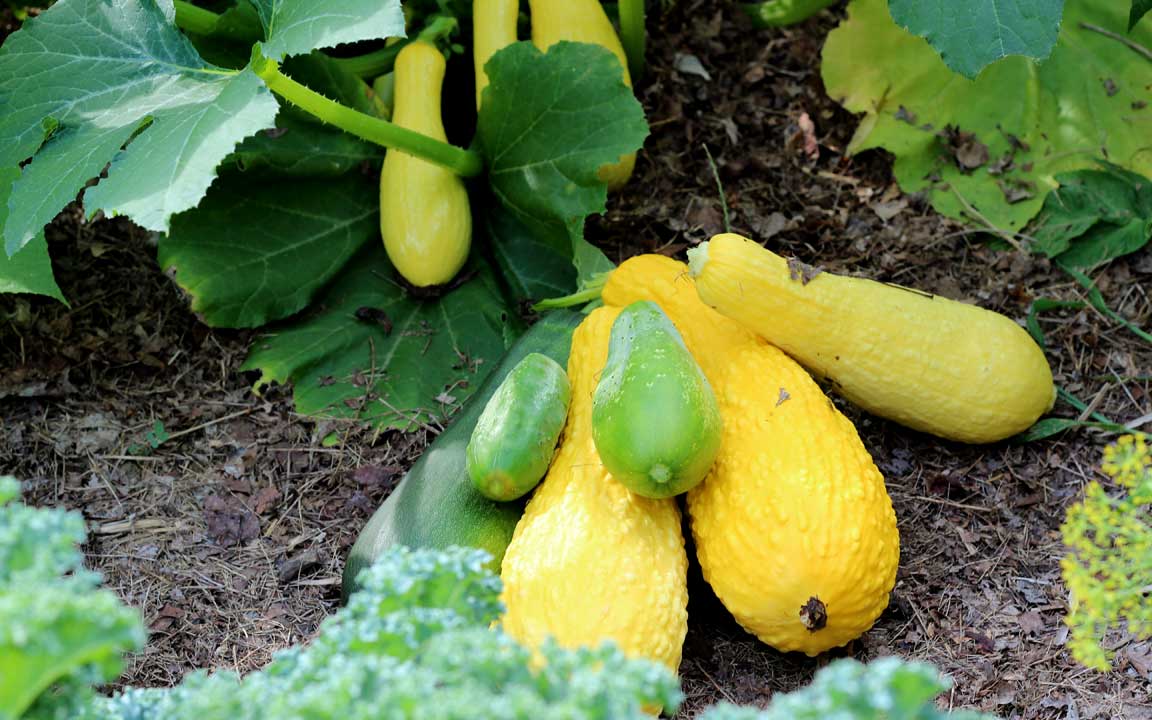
x=373, y=129
x=378, y=62
x=633, y=35
x=591, y=291
x=195, y=20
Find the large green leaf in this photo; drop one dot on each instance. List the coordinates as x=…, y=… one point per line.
x=1095, y=216
x=533, y=265
x=548, y=123
x=372, y=352
x=30, y=269
x=83, y=79
x=1034, y=121
x=294, y=27
x=254, y=252
x=970, y=34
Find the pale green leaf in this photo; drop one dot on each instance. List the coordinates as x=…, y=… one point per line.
x=971, y=34
x=256, y=252
x=30, y=269
x=371, y=352
x=294, y=27
x=1035, y=120
x=549, y=122
x=85, y=78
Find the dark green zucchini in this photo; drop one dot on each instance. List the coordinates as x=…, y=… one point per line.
x=435, y=504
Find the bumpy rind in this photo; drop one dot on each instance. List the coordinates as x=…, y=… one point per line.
x=793, y=527
x=933, y=364
x=591, y=561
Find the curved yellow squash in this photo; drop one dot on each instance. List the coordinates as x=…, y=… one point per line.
x=583, y=21
x=590, y=561
x=425, y=219
x=794, y=529
x=932, y=364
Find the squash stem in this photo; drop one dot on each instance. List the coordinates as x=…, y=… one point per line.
x=632, y=34
x=591, y=291
x=195, y=20
x=378, y=62
x=373, y=129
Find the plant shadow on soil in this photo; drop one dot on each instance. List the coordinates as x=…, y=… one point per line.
x=230, y=538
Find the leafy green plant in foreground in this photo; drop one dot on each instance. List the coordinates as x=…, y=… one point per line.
x=1108, y=569
x=414, y=642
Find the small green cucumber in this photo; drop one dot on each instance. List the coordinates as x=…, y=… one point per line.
x=655, y=419
x=516, y=435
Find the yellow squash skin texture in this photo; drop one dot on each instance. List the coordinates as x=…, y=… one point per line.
x=937, y=365
x=590, y=561
x=493, y=29
x=424, y=215
x=794, y=528
x=583, y=21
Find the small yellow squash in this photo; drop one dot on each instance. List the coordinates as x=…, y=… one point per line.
x=590, y=561
x=793, y=527
x=932, y=364
x=425, y=218
x=493, y=29
x=583, y=21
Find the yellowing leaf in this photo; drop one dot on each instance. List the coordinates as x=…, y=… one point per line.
x=1033, y=120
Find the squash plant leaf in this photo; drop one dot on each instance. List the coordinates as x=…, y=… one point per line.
x=86, y=78
x=988, y=150
x=30, y=269
x=294, y=27
x=548, y=123
x=533, y=265
x=971, y=34
x=1095, y=216
x=371, y=352
x=1140, y=8
x=254, y=252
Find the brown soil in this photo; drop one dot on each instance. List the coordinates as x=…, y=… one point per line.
x=230, y=536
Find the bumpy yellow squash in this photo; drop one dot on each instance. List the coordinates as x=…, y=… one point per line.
x=493, y=29
x=590, y=561
x=583, y=21
x=932, y=364
x=793, y=527
x=425, y=219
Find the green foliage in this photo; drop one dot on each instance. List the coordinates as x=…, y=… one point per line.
x=372, y=352
x=59, y=111
x=971, y=34
x=888, y=688
x=549, y=121
x=989, y=150
x=1094, y=216
x=295, y=27
x=56, y=624
x=29, y=270
x=1140, y=8
x=1108, y=569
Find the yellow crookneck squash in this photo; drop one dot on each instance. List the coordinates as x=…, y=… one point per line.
x=425, y=218
x=793, y=527
x=583, y=21
x=493, y=29
x=590, y=561
x=927, y=362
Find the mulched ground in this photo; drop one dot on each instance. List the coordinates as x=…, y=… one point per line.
x=230, y=535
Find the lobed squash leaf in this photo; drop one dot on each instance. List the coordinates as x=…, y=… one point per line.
x=30, y=269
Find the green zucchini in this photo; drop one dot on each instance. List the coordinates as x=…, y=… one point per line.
x=435, y=504
x=655, y=419
x=515, y=438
